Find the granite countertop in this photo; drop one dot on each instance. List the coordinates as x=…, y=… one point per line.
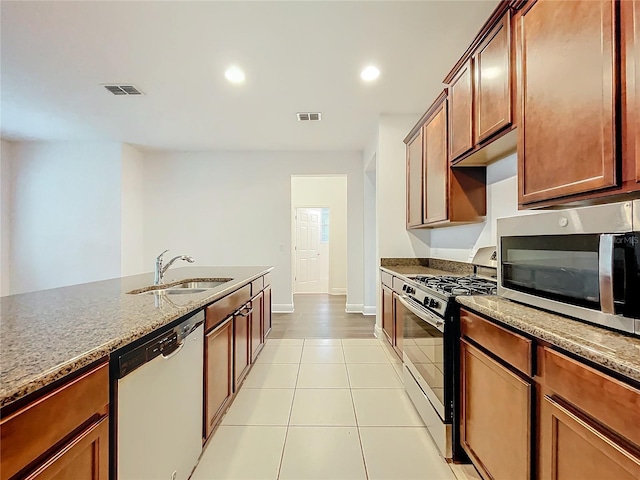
x=49, y=334
x=404, y=270
x=619, y=353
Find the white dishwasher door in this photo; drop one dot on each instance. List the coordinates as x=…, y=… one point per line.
x=160, y=415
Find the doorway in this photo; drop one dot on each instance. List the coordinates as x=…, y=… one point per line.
x=311, y=250
x=318, y=235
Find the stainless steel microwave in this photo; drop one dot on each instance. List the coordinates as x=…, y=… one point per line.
x=582, y=262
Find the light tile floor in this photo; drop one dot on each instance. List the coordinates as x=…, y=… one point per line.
x=323, y=409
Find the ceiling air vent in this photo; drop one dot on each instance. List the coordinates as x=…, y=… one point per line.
x=123, y=89
x=309, y=117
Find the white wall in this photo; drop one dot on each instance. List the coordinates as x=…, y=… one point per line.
x=328, y=192
x=6, y=151
x=460, y=243
x=132, y=212
x=65, y=209
x=394, y=240
x=370, y=239
x=234, y=208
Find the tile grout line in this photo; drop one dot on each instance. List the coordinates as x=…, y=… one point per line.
x=286, y=433
x=355, y=415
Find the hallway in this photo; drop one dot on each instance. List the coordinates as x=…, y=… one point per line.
x=321, y=316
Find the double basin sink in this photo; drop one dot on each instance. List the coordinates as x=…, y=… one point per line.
x=188, y=286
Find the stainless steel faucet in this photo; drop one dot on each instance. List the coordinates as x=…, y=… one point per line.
x=161, y=268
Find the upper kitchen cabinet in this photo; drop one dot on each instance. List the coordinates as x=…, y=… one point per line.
x=493, y=86
x=435, y=165
x=568, y=63
x=414, y=178
x=481, y=93
x=630, y=60
x=461, y=118
x=441, y=195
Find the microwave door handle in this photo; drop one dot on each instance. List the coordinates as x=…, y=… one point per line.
x=605, y=272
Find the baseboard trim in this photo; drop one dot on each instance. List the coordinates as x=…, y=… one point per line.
x=369, y=310
x=282, y=308
x=377, y=331
x=353, y=308
x=337, y=291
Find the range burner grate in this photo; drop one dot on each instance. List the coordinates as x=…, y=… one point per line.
x=451, y=285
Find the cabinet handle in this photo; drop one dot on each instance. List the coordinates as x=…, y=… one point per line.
x=247, y=313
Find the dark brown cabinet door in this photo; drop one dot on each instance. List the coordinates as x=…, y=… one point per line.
x=257, y=331
x=461, y=111
x=572, y=447
x=241, y=347
x=266, y=312
x=387, y=314
x=495, y=416
x=398, y=328
x=218, y=373
x=414, y=181
x=566, y=62
x=436, y=165
x=630, y=19
x=86, y=457
x=492, y=64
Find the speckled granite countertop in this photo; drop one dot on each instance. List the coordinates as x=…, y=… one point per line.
x=403, y=271
x=618, y=353
x=48, y=334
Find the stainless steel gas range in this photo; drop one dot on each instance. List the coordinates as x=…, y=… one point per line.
x=431, y=327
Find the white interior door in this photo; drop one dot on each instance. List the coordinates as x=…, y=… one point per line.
x=308, y=261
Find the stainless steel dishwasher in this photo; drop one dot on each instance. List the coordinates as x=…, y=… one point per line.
x=159, y=404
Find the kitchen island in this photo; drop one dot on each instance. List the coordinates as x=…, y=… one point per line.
x=49, y=334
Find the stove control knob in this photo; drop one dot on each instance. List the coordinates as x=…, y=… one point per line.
x=410, y=290
x=434, y=303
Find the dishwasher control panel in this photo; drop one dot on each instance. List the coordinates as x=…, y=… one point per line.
x=164, y=344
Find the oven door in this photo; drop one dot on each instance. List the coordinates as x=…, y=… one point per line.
x=424, y=352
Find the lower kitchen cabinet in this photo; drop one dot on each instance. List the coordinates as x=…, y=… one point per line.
x=257, y=329
x=241, y=345
x=392, y=321
x=581, y=422
x=572, y=446
x=236, y=329
x=61, y=435
x=218, y=373
x=84, y=457
x=388, y=323
x=495, y=426
x=266, y=311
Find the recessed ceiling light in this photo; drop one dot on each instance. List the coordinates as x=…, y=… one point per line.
x=234, y=74
x=370, y=73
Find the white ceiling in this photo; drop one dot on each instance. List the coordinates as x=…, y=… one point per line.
x=298, y=56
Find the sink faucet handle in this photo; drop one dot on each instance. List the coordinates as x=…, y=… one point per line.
x=159, y=257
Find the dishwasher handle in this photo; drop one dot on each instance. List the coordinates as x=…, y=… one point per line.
x=173, y=352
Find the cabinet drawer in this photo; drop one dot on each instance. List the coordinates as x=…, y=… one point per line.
x=28, y=433
x=611, y=402
x=224, y=307
x=267, y=280
x=510, y=347
x=387, y=279
x=257, y=285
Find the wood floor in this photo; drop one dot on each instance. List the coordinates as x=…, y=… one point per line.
x=321, y=316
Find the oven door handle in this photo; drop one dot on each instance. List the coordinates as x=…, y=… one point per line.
x=426, y=316
x=605, y=272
